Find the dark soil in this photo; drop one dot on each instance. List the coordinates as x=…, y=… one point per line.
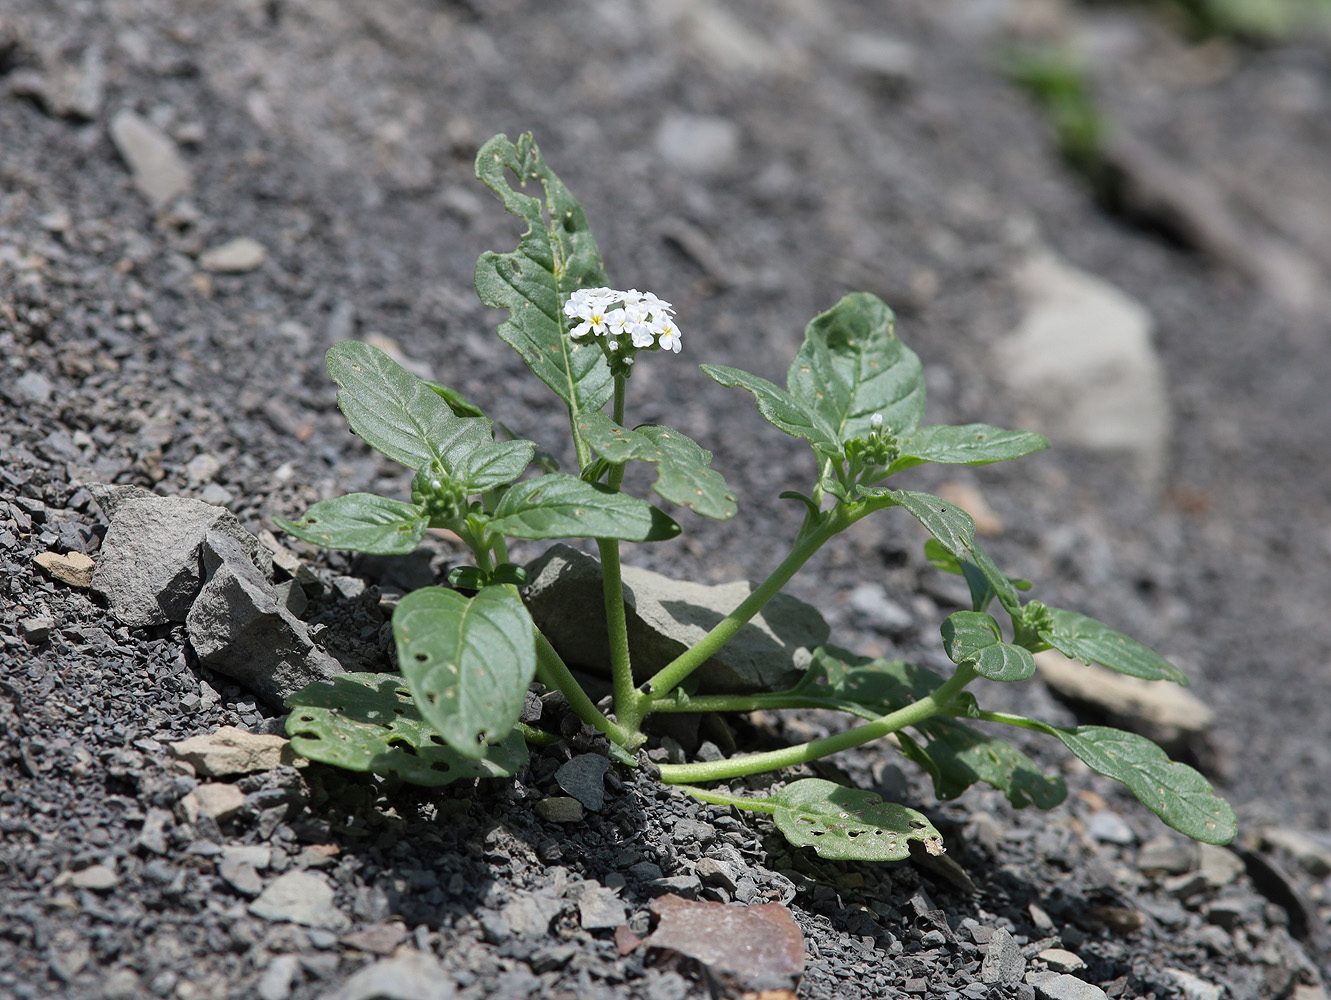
x=341, y=137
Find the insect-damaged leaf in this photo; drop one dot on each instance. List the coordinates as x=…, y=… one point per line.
x=966, y=444
x=850, y=824
x=467, y=662
x=368, y=722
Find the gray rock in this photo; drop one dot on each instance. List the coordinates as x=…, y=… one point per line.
x=1167, y=856
x=410, y=975
x=875, y=609
x=234, y=257
x=892, y=60
x=559, y=809
x=1307, y=850
x=1219, y=865
x=148, y=569
x=686, y=886
x=275, y=983
x=667, y=616
x=301, y=898
x=715, y=873
x=530, y=916
x=1191, y=987
x=1061, y=960
x=1084, y=368
x=98, y=878
x=705, y=145
x=1110, y=828
x=1061, y=986
x=158, y=170
x=241, y=876
x=1003, y=962
x=599, y=909
x=240, y=627
x=583, y=777
x=33, y=387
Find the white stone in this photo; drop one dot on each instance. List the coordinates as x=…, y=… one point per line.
x=698, y=144
x=302, y=898
x=159, y=172
x=234, y=257
x=1082, y=365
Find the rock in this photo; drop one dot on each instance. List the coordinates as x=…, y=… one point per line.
x=1061, y=986
x=1061, y=960
x=1191, y=987
x=159, y=172
x=704, y=145
x=559, y=809
x=1110, y=828
x=1003, y=961
x=240, y=627
x=1167, y=856
x=1310, y=854
x=98, y=878
x=889, y=59
x=715, y=873
x=665, y=617
x=530, y=916
x=73, y=568
x=216, y=800
x=409, y=975
x=233, y=751
x=241, y=876
x=684, y=886
x=1082, y=365
x=1166, y=713
x=583, y=777
x=754, y=947
x=377, y=939
x=33, y=387
x=275, y=983
x=148, y=565
x=234, y=257
x=302, y=898
x=1219, y=866
x=36, y=630
x=875, y=609
x=600, y=909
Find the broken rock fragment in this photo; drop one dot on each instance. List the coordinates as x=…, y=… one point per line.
x=751, y=947
x=240, y=627
x=233, y=751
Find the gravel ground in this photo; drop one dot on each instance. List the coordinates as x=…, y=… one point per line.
x=750, y=163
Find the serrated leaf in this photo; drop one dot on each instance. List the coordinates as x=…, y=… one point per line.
x=850, y=824
x=851, y=366
x=564, y=506
x=468, y=662
x=361, y=522
x=779, y=408
x=967, y=444
x=973, y=637
x=684, y=475
x=368, y=722
x=957, y=756
x=408, y=420
x=556, y=255
x=1175, y=792
x=1083, y=638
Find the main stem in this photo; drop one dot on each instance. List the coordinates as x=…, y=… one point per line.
x=627, y=700
x=933, y=704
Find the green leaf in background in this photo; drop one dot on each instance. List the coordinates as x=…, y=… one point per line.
x=969, y=444
x=1175, y=792
x=850, y=824
x=361, y=522
x=782, y=410
x=556, y=255
x=869, y=688
x=684, y=475
x=957, y=756
x=564, y=506
x=852, y=366
x=458, y=403
x=468, y=662
x=368, y=722
x=1090, y=641
x=974, y=637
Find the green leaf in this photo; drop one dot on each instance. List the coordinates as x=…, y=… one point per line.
x=408, y=420
x=779, y=408
x=850, y=824
x=468, y=663
x=968, y=444
x=869, y=688
x=852, y=366
x=361, y=522
x=949, y=524
x=556, y=255
x=957, y=756
x=683, y=475
x=1176, y=793
x=458, y=403
x=368, y=722
x=973, y=637
x=564, y=506
x=987, y=581
x=1090, y=641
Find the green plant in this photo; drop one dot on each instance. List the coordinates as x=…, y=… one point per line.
x=853, y=391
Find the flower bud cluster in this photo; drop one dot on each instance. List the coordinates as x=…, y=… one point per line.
x=628, y=321
x=442, y=499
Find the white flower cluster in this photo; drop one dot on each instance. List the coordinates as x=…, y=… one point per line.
x=638, y=317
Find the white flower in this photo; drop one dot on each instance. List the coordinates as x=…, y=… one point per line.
x=589, y=306
x=876, y=421
x=668, y=336
x=640, y=318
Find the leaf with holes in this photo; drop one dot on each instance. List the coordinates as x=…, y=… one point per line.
x=361, y=522
x=553, y=259
x=368, y=722
x=967, y=444
x=684, y=474
x=849, y=824
x=973, y=637
x=564, y=506
x=467, y=662
x=1084, y=638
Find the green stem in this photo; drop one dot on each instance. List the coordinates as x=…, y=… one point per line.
x=627, y=700
x=665, y=681
x=721, y=799
x=775, y=701
x=802, y=753
x=554, y=673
